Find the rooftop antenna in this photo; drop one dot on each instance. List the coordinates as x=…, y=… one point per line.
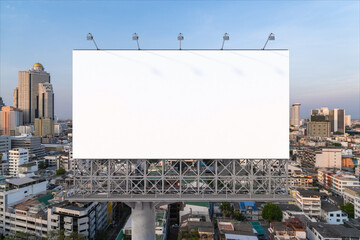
x=90, y=37
x=270, y=37
x=136, y=37
x=225, y=38
x=180, y=38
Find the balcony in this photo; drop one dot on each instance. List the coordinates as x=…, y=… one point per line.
x=68, y=227
x=68, y=220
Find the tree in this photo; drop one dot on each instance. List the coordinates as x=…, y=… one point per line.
x=60, y=171
x=56, y=235
x=42, y=165
x=75, y=236
x=272, y=212
x=348, y=208
x=21, y=236
x=236, y=214
x=226, y=208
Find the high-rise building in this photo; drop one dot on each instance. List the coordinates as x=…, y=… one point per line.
x=44, y=127
x=318, y=129
x=337, y=119
x=46, y=101
x=347, y=120
x=17, y=157
x=295, y=115
x=10, y=118
x=33, y=144
x=26, y=95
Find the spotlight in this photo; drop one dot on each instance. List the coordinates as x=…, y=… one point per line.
x=90, y=37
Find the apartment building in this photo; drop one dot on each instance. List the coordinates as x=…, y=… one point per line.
x=352, y=195
x=84, y=218
x=17, y=217
x=309, y=202
x=320, y=158
x=332, y=215
x=336, y=181
x=17, y=157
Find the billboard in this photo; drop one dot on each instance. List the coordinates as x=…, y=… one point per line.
x=180, y=104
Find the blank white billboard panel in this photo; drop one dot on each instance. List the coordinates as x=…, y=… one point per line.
x=188, y=104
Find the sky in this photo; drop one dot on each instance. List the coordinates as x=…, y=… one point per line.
x=322, y=37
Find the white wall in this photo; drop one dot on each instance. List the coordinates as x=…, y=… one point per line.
x=180, y=104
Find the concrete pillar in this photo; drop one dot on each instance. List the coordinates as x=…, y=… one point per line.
x=143, y=221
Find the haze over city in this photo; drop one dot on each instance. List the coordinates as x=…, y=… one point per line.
x=322, y=36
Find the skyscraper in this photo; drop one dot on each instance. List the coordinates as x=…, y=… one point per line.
x=337, y=119
x=44, y=127
x=46, y=101
x=10, y=118
x=295, y=115
x=26, y=95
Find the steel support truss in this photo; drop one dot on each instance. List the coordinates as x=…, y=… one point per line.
x=178, y=180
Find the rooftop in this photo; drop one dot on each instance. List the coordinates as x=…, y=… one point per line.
x=289, y=207
x=334, y=231
x=328, y=207
x=20, y=181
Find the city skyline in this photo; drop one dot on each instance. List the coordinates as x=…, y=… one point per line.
x=39, y=32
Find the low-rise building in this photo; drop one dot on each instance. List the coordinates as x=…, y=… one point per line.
x=332, y=215
x=336, y=181
x=323, y=231
x=13, y=192
x=352, y=195
x=83, y=218
x=309, y=202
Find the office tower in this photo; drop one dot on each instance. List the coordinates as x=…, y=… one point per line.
x=26, y=95
x=17, y=157
x=1, y=103
x=295, y=115
x=347, y=120
x=33, y=144
x=46, y=101
x=5, y=144
x=318, y=128
x=337, y=120
x=44, y=127
x=10, y=118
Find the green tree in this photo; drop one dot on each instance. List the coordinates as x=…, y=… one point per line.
x=337, y=144
x=56, y=235
x=21, y=236
x=272, y=212
x=348, y=208
x=236, y=214
x=75, y=236
x=60, y=171
x=42, y=165
x=226, y=208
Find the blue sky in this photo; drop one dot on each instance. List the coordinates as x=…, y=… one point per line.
x=322, y=36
